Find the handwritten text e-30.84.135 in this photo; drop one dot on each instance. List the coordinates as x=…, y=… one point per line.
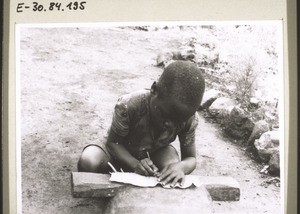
x=51, y=6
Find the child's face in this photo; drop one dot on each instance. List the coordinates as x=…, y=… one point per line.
x=168, y=112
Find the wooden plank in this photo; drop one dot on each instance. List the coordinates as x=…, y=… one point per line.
x=94, y=185
x=221, y=188
x=84, y=185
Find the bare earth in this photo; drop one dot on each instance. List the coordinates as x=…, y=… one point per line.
x=70, y=81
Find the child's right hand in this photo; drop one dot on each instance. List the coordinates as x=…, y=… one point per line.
x=146, y=167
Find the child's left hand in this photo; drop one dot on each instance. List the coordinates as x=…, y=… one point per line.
x=172, y=174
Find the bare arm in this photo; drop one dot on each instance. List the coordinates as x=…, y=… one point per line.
x=188, y=148
x=118, y=151
x=115, y=147
x=176, y=172
x=188, y=158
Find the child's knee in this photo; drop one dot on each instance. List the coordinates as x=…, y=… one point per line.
x=92, y=159
x=165, y=157
x=171, y=156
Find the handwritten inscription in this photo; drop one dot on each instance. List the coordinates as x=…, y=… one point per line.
x=51, y=6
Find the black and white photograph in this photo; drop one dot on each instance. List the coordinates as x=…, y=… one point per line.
x=158, y=117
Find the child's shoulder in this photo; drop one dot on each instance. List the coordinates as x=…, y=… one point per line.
x=134, y=102
x=191, y=123
x=134, y=97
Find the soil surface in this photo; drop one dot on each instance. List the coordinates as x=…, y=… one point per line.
x=70, y=81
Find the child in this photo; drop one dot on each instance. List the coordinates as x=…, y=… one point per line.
x=146, y=122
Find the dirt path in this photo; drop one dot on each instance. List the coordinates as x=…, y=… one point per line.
x=70, y=81
x=218, y=156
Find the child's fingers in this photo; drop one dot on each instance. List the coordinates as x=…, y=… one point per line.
x=163, y=171
x=150, y=167
x=169, y=178
x=172, y=177
x=141, y=170
x=175, y=181
x=155, y=169
x=182, y=181
x=163, y=175
x=151, y=164
x=147, y=163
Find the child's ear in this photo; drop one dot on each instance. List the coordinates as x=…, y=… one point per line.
x=154, y=88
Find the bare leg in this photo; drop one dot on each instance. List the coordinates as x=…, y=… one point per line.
x=165, y=156
x=93, y=159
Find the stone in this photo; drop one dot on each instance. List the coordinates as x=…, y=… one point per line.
x=267, y=144
x=96, y=185
x=159, y=200
x=208, y=98
x=254, y=101
x=270, y=116
x=160, y=60
x=163, y=59
x=176, y=55
x=221, y=108
x=230, y=88
x=185, y=54
x=221, y=188
x=274, y=164
x=238, y=125
x=258, y=114
x=260, y=127
x=188, y=54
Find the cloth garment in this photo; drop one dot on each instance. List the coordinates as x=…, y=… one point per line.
x=131, y=120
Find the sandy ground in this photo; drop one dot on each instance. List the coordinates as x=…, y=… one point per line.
x=70, y=81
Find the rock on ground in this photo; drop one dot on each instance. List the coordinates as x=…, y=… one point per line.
x=258, y=114
x=274, y=164
x=260, y=127
x=221, y=108
x=208, y=98
x=239, y=126
x=160, y=200
x=267, y=145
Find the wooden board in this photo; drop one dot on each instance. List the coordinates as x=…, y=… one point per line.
x=93, y=185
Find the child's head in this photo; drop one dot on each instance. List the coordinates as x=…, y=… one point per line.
x=178, y=93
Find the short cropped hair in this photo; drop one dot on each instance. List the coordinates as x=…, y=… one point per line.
x=184, y=81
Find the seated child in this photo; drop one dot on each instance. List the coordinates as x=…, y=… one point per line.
x=146, y=122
